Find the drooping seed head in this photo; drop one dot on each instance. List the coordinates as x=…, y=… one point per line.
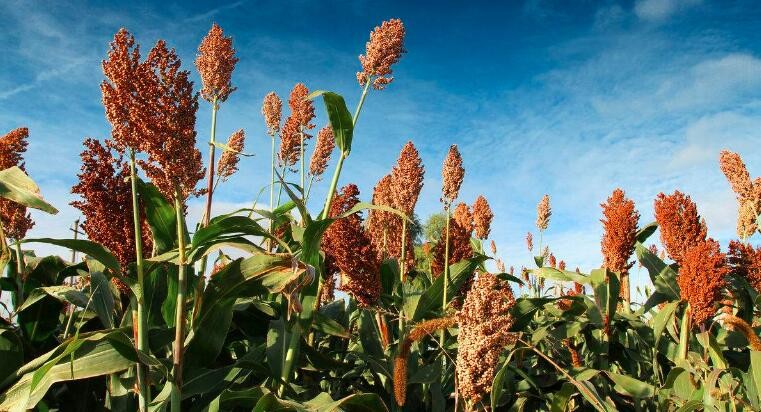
x=734, y=169
x=322, y=151
x=228, y=161
x=106, y=203
x=349, y=247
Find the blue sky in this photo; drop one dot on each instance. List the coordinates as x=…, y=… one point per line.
x=541, y=97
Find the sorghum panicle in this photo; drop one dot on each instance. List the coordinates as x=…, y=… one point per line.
x=107, y=204
x=701, y=278
x=215, y=62
x=385, y=48
x=322, y=151
x=679, y=224
x=272, y=110
x=543, y=213
x=15, y=219
x=482, y=217
x=452, y=175
x=347, y=244
x=619, y=231
x=227, y=164
x=484, y=331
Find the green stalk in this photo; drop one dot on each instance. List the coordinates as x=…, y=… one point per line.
x=210, y=186
x=19, y=270
x=144, y=394
x=402, y=276
x=443, y=332
x=337, y=172
x=301, y=156
x=333, y=184
x=684, y=334
x=179, y=337
x=446, y=259
x=272, y=191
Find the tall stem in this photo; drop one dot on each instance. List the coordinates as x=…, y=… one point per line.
x=212, y=150
x=301, y=156
x=446, y=257
x=337, y=172
x=210, y=186
x=272, y=191
x=144, y=394
x=179, y=337
x=445, y=274
x=402, y=276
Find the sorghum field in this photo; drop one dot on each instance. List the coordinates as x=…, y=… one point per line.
x=338, y=309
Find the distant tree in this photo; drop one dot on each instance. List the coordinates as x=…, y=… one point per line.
x=434, y=227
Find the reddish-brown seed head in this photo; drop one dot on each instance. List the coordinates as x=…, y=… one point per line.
x=452, y=175
x=106, y=203
x=679, y=223
x=734, y=169
x=530, y=241
x=173, y=160
x=482, y=217
x=701, y=278
x=127, y=93
x=543, y=213
x=15, y=219
x=346, y=243
x=384, y=49
x=619, y=222
x=296, y=125
x=322, y=151
x=272, y=110
x=484, y=331
x=228, y=161
x=407, y=179
x=215, y=62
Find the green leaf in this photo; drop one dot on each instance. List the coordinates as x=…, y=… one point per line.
x=257, y=275
x=61, y=293
x=561, y=275
x=328, y=326
x=647, y=231
x=92, y=249
x=360, y=402
x=431, y=299
x=11, y=353
x=560, y=398
x=755, y=366
x=630, y=386
x=102, y=298
x=15, y=185
x=160, y=216
x=340, y=119
x=97, y=355
x=662, y=275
